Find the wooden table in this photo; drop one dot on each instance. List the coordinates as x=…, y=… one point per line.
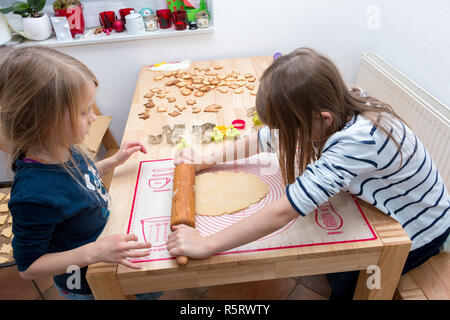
x=111, y=281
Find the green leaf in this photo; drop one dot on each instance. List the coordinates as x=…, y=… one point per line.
x=37, y=5
x=33, y=3
x=6, y=10
x=24, y=14
x=41, y=5
x=20, y=6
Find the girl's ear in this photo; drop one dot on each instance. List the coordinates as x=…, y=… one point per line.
x=327, y=119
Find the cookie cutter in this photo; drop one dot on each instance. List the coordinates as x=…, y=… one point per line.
x=207, y=132
x=167, y=132
x=251, y=111
x=155, y=139
x=197, y=131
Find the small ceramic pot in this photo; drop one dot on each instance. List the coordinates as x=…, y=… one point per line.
x=134, y=23
x=38, y=28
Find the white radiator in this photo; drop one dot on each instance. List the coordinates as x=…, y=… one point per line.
x=427, y=117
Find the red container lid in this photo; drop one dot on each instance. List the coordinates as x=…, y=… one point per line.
x=239, y=124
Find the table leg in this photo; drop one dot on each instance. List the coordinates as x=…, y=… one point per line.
x=396, y=245
x=102, y=279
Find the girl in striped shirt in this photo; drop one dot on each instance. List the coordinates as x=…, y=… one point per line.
x=342, y=140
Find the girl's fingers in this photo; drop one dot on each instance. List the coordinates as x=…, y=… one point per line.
x=175, y=251
x=135, y=145
x=172, y=236
x=137, y=245
x=137, y=254
x=179, y=226
x=131, y=237
x=134, y=149
x=128, y=264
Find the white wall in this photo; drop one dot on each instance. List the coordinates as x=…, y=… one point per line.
x=414, y=37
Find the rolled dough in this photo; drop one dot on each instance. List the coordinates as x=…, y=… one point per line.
x=223, y=192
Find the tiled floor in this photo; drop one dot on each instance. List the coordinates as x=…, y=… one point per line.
x=301, y=288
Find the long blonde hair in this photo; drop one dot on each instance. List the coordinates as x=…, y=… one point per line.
x=38, y=86
x=303, y=83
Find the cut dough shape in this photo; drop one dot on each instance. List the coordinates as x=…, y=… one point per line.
x=3, y=260
x=7, y=232
x=6, y=248
x=212, y=108
x=223, y=192
x=180, y=108
x=174, y=113
x=4, y=207
x=196, y=109
x=186, y=91
x=3, y=219
x=161, y=109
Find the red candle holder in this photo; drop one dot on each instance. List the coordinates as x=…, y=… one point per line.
x=124, y=12
x=107, y=19
x=164, y=18
x=179, y=19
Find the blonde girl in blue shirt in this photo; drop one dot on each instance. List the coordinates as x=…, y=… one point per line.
x=58, y=202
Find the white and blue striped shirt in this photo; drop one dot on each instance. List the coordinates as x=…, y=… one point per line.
x=362, y=160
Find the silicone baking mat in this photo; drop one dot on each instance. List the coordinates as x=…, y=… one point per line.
x=337, y=221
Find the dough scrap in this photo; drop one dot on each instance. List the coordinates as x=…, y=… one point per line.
x=223, y=192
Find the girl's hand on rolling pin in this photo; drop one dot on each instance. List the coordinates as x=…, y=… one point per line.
x=117, y=248
x=189, y=156
x=126, y=150
x=186, y=241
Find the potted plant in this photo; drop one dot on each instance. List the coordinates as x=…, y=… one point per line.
x=35, y=23
x=73, y=11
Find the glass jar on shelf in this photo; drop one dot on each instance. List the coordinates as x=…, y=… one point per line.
x=202, y=19
x=151, y=22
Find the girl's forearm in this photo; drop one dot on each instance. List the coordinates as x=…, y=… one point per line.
x=52, y=264
x=256, y=226
x=106, y=165
x=242, y=148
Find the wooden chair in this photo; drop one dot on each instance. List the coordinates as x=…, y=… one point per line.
x=430, y=281
x=100, y=134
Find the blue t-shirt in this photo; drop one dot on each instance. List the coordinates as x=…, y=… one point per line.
x=52, y=212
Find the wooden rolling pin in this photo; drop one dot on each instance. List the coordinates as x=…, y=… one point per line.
x=183, y=200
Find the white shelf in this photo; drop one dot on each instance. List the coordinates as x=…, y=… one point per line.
x=91, y=38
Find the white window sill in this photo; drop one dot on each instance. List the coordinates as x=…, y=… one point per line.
x=91, y=38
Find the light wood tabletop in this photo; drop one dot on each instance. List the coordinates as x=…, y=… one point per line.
x=111, y=281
